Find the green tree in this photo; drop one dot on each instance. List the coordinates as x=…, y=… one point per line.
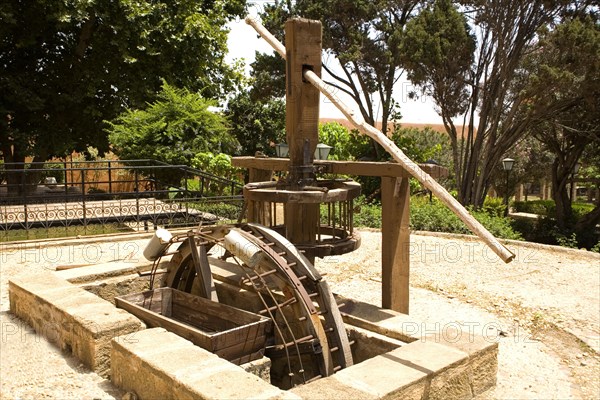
x=532, y=164
x=481, y=83
x=563, y=89
x=174, y=129
x=220, y=165
x=68, y=65
x=257, y=124
x=424, y=144
x=361, y=42
x=347, y=144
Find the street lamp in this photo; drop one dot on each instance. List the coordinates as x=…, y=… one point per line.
x=507, y=165
x=322, y=151
x=282, y=150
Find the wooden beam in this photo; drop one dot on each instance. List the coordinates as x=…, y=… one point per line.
x=395, y=237
x=359, y=168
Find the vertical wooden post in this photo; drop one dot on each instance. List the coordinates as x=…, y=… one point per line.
x=395, y=257
x=303, y=51
x=260, y=215
x=303, y=48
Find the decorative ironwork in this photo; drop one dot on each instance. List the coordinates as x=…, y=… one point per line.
x=133, y=194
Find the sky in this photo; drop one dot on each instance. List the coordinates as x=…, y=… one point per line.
x=243, y=42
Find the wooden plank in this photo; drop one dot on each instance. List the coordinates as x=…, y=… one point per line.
x=395, y=231
x=205, y=323
x=202, y=267
x=166, y=303
x=199, y=319
x=152, y=319
x=235, y=315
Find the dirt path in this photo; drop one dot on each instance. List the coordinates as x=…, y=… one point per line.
x=543, y=309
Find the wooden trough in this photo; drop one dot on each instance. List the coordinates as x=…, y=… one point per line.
x=236, y=335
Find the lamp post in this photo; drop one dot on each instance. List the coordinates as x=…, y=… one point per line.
x=431, y=161
x=507, y=165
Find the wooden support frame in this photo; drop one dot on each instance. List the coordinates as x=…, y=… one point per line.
x=395, y=204
x=303, y=60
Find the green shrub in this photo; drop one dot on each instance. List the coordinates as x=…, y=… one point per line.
x=580, y=209
x=436, y=217
x=368, y=215
x=498, y=226
x=494, y=206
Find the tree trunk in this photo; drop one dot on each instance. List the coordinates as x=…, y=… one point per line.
x=588, y=222
x=560, y=178
x=19, y=182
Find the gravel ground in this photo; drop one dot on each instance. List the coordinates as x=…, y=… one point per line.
x=543, y=309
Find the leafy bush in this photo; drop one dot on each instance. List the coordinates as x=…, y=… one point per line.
x=580, y=209
x=540, y=207
x=435, y=217
x=219, y=165
x=174, y=128
x=494, y=206
x=367, y=215
x=228, y=211
x=424, y=144
x=347, y=144
x=498, y=226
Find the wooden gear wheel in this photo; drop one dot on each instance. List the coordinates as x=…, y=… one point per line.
x=309, y=340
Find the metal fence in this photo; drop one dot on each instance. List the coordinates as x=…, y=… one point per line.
x=84, y=197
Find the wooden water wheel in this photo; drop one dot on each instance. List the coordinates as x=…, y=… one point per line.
x=309, y=340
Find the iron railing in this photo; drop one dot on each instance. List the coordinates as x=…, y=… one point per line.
x=111, y=194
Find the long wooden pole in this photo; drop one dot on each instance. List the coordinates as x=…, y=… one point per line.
x=505, y=254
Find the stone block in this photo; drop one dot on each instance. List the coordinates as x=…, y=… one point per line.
x=158, y=364
x=97, y=272
x=70, y=317
x=482, y=352
x=331, y=388
x=447, y=368
x=384, y=377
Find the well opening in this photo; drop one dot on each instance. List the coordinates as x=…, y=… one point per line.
x=364, y=343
